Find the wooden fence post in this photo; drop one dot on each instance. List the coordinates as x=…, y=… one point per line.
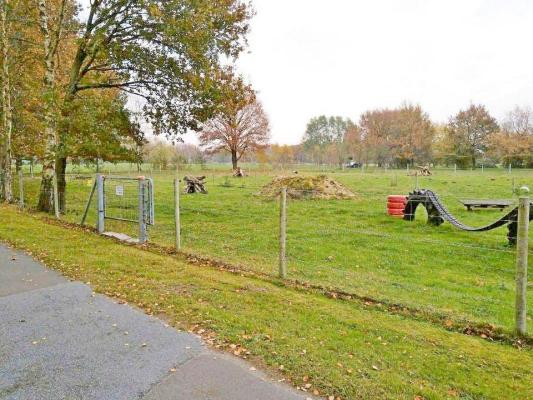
x=177, y=213
x=283, y=234
x=56, y=195
x=521, y=261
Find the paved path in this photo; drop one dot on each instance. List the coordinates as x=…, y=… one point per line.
x=60, y=341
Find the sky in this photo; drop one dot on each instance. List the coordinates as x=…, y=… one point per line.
x=343, y=57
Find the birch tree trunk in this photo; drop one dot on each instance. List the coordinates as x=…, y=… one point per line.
x=7, y=113
x=46, y=196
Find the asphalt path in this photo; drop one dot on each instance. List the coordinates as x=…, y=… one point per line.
x=59, y=340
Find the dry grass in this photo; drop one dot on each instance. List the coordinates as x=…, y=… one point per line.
x=307, y=187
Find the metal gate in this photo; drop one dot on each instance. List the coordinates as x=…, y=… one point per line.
x=125, y=199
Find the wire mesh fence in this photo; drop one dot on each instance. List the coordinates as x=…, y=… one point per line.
x=351, y=246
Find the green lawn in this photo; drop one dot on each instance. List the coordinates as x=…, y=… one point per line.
x=341, y=348
x=351, y=245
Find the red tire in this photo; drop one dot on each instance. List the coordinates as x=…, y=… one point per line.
x=395, y=212
x=395, y=206
x=397, y=198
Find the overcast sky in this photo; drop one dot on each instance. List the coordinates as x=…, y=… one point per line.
x=342, y=57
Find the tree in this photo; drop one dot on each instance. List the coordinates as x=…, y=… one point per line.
x=325, y=135
x=168, y=52
x=52, y=32
x=514, y=142
x=25, y=58
x=159, y=154
x=240, y=125
x=401, y=136
x=281, y=154
x=469, y=131
x=7, y=115
x=101, y=128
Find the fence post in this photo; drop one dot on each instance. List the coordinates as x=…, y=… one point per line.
x=100, y=222
x=177, y=213
x=21, y=189
x=56, y=195
x=521, y=261
x=283, y=234
x=88, y=205
x=142, y=214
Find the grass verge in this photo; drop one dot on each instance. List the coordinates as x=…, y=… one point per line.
x=338, y=348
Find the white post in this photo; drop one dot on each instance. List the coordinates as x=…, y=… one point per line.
x=21, y=189
x=56, y=195
x=100, y=224
x=283, y=234
x=521, y=261
x=510, y=168
x=455, y=168
x=177, y=213
x=142, y=211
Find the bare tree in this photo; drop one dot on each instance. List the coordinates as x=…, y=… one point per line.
x=239, y=127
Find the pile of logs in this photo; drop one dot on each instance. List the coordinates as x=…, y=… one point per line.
x=424, y=171
x=239, y=173
x=195, y=184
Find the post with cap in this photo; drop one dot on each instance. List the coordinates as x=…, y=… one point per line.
x=521, y=261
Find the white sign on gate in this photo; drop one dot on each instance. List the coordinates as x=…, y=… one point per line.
x=119, y=190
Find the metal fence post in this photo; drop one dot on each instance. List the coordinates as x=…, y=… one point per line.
x=88, y=205
x=21, y=188
x=100, y=222
x=283, y=234
x=177, y=213
x=521, y=261
x=142, y=211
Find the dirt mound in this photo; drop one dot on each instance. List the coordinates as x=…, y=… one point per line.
x=307, y=187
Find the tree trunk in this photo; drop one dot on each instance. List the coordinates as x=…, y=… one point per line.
x=7, y=115
x=46, y=196
x=46, y=193
x=18, y=164
x=234, y=159
x=61, y=171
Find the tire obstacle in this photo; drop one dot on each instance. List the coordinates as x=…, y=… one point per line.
x=438, y=214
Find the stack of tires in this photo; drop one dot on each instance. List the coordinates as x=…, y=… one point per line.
x=396, y=205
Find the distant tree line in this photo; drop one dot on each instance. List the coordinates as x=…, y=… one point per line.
x=405, y=136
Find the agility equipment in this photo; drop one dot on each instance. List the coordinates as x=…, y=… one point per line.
x=438, y=214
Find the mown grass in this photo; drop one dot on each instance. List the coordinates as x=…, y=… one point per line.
x=341, y=348
x=352, y=245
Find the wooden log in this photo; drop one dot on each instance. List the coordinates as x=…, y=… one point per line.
x=195, y=184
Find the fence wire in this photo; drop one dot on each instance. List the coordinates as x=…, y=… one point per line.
x=347, y=245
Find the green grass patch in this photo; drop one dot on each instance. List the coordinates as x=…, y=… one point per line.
x=341, y=348
x=349, y=245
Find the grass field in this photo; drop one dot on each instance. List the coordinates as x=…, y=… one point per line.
x=352, y=246
x=346, y=349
